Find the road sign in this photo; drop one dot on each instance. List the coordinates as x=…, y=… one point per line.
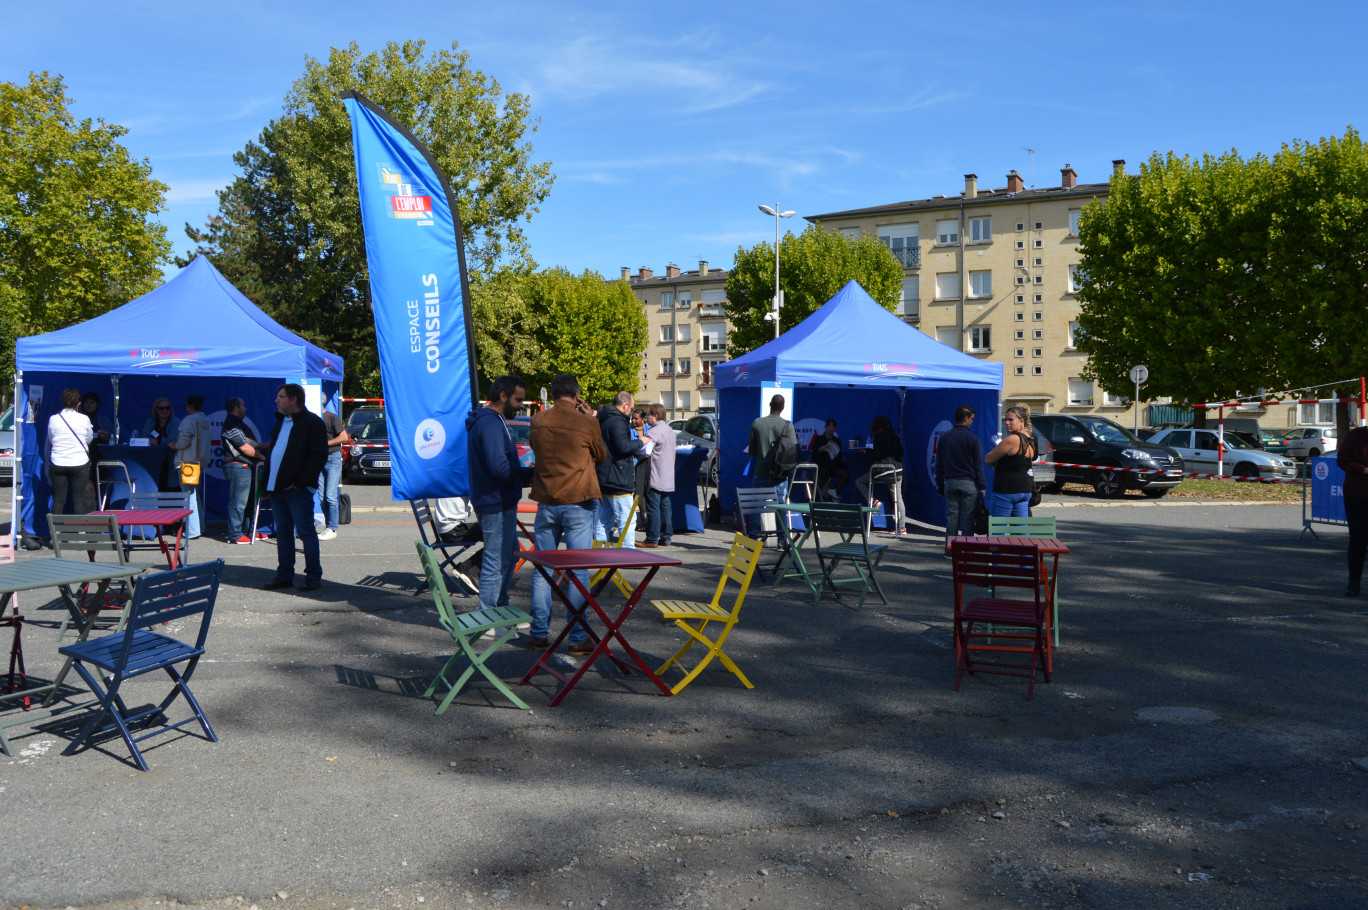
x=1139, y=374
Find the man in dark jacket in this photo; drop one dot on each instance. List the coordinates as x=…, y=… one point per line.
x=296, y=454
x=496, y=484
x=959, y=473
x=617, y=475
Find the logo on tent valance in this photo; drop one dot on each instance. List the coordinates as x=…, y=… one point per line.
x=164, y=357
x=891, y=369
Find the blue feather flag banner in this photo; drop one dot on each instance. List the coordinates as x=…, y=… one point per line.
x=421, y=303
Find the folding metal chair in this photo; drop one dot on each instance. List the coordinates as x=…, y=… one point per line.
x=693, y=617
x=466, y=629
x=886, y=474
x=74, y=535
x=104, y=480
x=1000, y=566
x=107, y=663
x=618, y=581
x=805, y=478
x=452, y=553
x=16, y=622
x=845, y=523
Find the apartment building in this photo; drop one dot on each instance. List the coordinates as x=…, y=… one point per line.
x=992, y=272
x=687, y=335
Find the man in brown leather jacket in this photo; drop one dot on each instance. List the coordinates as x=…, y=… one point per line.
x=568, y=447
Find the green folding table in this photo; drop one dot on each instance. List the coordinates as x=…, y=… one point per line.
x=62, y=574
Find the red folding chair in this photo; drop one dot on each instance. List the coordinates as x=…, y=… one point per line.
x=1013, y=624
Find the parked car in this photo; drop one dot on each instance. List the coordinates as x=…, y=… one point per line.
x=1201, y=448
x=520, y=428
x=1104, y=445
x=362, y=415
x=701, y=430
x=1309, y=442
x=1043, y=471
x=370, y=453
x=7, y=445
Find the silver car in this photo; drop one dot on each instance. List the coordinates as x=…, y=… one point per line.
x=7, y=445
x=1201, y=449
x=1310, y=442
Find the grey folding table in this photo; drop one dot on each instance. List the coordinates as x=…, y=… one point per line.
x=62, y=574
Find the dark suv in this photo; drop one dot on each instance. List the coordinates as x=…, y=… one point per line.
x=1104, y=446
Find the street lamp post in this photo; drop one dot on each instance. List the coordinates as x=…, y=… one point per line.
x=778, y=294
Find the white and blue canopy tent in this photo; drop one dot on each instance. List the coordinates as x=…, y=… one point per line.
x=194, y=335
x=852, y=360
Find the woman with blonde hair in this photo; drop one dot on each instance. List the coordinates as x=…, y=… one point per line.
x=163, y=426
x=1011, y=460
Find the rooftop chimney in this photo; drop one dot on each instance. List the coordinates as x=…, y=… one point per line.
x=1014, y=182
x=643, y=273
x=626, y=273
x=1119, y=165
x=970, y=186
x=1069, y=177
x=702, y=268
x=671, y=270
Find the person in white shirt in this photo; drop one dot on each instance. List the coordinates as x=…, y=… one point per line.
x=68, y=455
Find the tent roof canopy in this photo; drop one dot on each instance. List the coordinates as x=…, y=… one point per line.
x=196, y=324
x=852, y=341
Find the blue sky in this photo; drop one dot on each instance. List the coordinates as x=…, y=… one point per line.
x=667, y=123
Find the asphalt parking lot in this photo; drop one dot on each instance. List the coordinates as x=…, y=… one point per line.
x=1201, y=744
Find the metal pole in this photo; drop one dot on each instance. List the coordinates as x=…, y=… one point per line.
x=1136, y=405
x=674, y=352
x=776, y=270
x=17, y=480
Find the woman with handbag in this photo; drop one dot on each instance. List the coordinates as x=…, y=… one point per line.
x=192, y=447
x=68, y=455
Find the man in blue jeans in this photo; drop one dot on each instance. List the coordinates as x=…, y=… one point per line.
x=240, y=458
x=296, y=453
x=568, y=447
x=959, y=473
x=329, y=482
x=497, y=479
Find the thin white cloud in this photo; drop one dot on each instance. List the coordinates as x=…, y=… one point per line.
x=165, y=123
x=195, y=190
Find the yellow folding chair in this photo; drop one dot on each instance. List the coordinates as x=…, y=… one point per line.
x=618, y=580
x=693, y=617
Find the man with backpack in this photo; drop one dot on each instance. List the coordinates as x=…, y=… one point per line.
x=774, y=448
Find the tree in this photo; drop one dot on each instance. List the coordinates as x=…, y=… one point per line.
x=1229, y=275
x=76, y=235
x=813, y=266
x=507, y=328
x=288, y=230
x=586, y=326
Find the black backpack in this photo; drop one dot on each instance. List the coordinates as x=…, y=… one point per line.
x=783, y=458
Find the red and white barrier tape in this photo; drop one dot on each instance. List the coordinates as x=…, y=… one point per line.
x=1270, y=404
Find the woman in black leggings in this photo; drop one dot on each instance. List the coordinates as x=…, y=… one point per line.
x=68, y=447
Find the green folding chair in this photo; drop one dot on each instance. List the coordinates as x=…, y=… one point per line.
x=465, y=628
x=847, y=540
x=1033, y=526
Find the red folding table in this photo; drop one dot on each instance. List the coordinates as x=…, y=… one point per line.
x=566, y=562
x=161, y=520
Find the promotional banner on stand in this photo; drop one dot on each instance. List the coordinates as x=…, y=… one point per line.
x=420, y=299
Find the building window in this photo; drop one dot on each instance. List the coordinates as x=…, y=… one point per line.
x=1020, y=298
x=1114, y=401
x=1039, y=298
x=1073, y=222
x=1037, y=371
x=1021, y=244
x=1040, y=279
x=1037, y=316
x=1073, y=279
x=684, y=365
x=1019, y=352
x=909, y=307
x=1037, y=352
x=1040, y=244
x=1318, y=414
x=1038, y=334
x=947, y=285
x=667, y=400
x=947, y=232
x=666, y=300
x=980, y=230
x=1020, y=317
x=1019, y=334
x=707, y=398
x=685, y=300
x=667, y=333
x=1039, y=262
x=684, y=401
x=981, y=284
x=1019, y=371
x=1080, y=391
x=1021, y=279
x=685, y=333
x=714, y=296
x=1021, y=263
x=981, y=338
x=1021, y=225
x=948, y=335
x=666, y=366
x=1040, y=225
x=714, y=337
x=904, y=241
x=852, y=233
x=1075, y=335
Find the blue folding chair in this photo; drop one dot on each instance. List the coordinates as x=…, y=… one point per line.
x=106, y=663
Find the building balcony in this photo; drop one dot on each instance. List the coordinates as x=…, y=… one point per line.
x=908, y=257
x=708, y=345
x=705, y=381
x=910, y=310
x=712, y=311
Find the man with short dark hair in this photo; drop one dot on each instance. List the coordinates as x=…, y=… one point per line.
x=330, y=481
x=568, y=445
x=617, y=475
x=240, y=458
x=959, y=473
x=298, y=449
x=765, y=433
x=194, y=445
x=497, y=479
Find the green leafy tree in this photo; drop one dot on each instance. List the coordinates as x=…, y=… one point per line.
x=813, y=266
x=1227, y=275
x=288, y=230
x=76, y=235
x=586, y=326
x=507, y=327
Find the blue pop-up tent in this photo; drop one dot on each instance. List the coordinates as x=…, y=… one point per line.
x=194, y=335
x=852, y=360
